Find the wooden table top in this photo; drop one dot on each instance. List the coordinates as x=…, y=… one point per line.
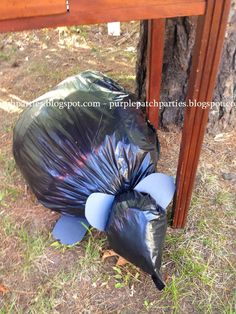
x=30, y=14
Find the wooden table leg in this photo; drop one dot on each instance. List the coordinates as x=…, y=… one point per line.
x=208, y=48
x=155, y=51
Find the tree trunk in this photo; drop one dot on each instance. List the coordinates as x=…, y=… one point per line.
x=179, y=41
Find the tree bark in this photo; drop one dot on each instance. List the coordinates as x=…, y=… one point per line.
x=179, y=41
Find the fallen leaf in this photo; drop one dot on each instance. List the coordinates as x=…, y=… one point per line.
x=121, y=261
x=3, y=289
x=107, y=254
x=167, y=278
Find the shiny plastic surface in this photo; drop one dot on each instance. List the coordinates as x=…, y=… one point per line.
x=66, y=153
x=136, y=230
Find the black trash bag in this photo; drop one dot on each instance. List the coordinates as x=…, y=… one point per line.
x=66, y=151
x=136, y=230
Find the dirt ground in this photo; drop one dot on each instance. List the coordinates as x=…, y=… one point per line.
x=38, y=274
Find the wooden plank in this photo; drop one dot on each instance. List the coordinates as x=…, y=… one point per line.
x=92, y=12
x=12, y=9
x=118, y=4
x=145, y=12
x=208, y=48
x=155, y=52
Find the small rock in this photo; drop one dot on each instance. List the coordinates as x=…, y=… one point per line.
x=15, y=64
x=229, y=176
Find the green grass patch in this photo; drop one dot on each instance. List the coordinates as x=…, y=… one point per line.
x=8, y=225
x=4, y=56
x=8, y=166
x=126, y=275
x=33, y=247
x=224, y=198
x=92, y=251
x=11, y=307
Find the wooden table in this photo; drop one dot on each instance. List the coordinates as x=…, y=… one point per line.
x=213, y=14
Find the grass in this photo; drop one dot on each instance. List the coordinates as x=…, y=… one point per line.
x=55, y=74
x=224, y=198
x=126, y=276
x=196, y=255
x=8, y=226
x=33, y=247
x=8, y=166
x=2, y=196
x=8, y=54
x=9, y=193
x=82, y=30
x=47, y=295
x=191, y=273
x=11, y=308
x=92, y=251
x=4, y=56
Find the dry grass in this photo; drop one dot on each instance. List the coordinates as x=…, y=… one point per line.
x=42, y=276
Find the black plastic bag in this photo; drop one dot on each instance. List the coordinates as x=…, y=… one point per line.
x=68, y=150
x=66, y=153
x=136, y=230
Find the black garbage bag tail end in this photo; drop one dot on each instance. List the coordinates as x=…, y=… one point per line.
x=158, y=282
x=136, y=230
